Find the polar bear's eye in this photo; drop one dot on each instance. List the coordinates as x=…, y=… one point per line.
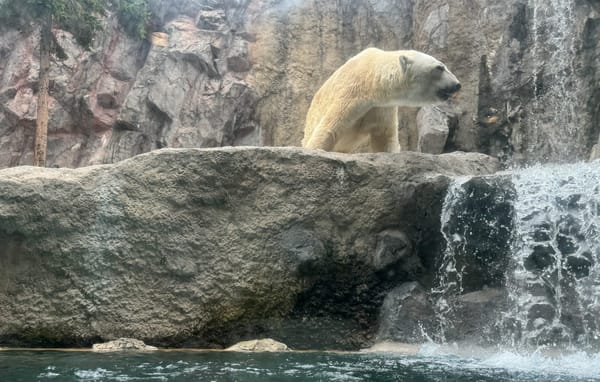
x=441, y=68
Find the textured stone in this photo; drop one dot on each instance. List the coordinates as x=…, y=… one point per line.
x=182, y=97
x=206, y=247
x=566, y=244
x=392, y=246
x=432, y=125
x=123, y=344
x=406, y=315
x=476, y=314
x=257, y=346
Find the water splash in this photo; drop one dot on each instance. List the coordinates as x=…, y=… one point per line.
x=552, y=273
x=448, y=277
x=554, y=287
x=539, y=365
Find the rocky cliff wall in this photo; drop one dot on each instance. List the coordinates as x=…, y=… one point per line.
x=243, y=72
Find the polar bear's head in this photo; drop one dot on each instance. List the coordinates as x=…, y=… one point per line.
x=425, y=80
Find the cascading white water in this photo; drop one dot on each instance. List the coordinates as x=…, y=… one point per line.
x=555, y=130
x=448, y=278
x=552, y=276
x=554, y=280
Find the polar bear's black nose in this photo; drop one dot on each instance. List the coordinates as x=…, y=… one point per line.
x=447, y=92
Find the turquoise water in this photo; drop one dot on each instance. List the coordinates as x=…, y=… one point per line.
x=281, y=367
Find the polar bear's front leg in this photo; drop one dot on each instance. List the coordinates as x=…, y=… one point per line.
x=386, y=143
x=337, y=123
x=382, y=123
x=321, y=139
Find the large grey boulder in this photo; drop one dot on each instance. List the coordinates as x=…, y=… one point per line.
x=206, y=247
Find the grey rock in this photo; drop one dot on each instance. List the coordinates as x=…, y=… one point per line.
x=184, y=97
x=213, y=19
x=392, y=246
x=205, y=247
x=432, y=125
x=301, y=245
x=121, y=345
x=406, y=315
x=566, y=244
x=476, y=314
x=259, y=346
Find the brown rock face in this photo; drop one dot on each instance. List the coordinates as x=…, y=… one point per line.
x=218, y=73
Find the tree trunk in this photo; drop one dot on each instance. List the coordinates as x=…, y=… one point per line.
x=41, y=128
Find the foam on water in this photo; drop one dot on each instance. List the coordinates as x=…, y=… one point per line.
x=540, y=363
x=579, y=364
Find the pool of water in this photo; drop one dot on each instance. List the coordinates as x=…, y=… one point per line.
x=294, y=366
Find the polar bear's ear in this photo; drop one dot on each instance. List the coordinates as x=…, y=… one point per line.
x=404, y=63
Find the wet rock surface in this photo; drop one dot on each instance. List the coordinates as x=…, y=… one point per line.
x=406, y=315
x=479, y=231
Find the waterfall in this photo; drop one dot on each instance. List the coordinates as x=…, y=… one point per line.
x=554, y=285
x=555, y=130
x=449, y=278
x=550, y=237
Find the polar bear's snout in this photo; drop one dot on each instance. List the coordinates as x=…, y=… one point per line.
x=449, y=91
x=455, y=88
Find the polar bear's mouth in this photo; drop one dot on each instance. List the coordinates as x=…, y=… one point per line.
x=448, y=92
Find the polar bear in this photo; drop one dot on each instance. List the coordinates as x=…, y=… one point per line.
x=360, y=99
